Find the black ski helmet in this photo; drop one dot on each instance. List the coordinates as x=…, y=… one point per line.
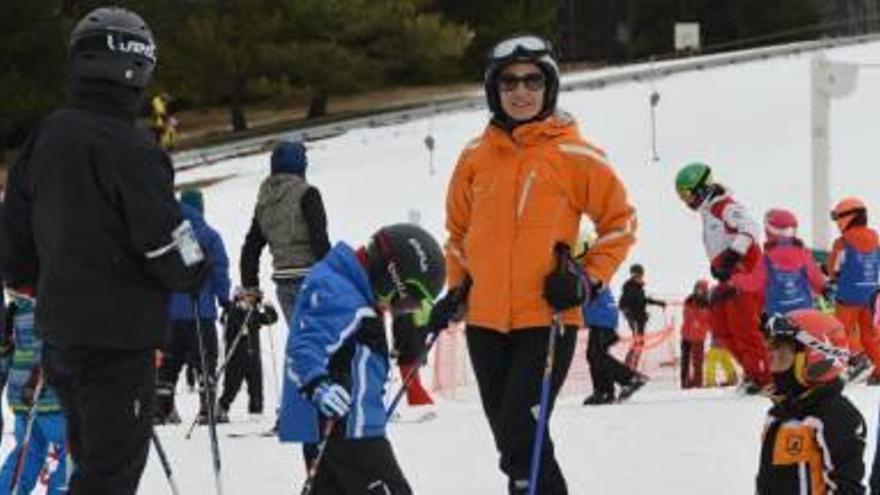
x=406, y=265
x=113, y=44
x=521, y=48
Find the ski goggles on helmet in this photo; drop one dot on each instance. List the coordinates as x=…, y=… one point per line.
x=533, y=81
x=837, y=215
x=527, y=46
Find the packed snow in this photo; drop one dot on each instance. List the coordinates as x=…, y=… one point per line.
x=750, y=122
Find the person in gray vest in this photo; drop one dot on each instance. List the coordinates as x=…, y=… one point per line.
x=290, y=218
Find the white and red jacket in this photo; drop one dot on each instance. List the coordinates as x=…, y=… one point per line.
x=728, y=225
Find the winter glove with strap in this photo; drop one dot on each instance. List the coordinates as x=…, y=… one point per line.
x=568, y=286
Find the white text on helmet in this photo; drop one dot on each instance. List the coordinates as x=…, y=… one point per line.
x=147, y=50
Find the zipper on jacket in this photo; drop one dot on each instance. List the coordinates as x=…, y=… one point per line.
x=523, y=197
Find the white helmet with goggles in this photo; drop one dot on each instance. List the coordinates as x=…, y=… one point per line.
x=523, y=48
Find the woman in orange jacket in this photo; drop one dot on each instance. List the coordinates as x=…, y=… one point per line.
x=517, y=190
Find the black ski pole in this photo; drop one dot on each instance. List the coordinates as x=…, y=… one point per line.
x=166, y=466
x=209, y=399
x=313, y=468
x=222, y=370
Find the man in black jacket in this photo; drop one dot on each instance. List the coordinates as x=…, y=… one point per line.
x=91, y=221
x=634, y=305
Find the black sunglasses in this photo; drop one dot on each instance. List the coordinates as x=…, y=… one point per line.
x=533, y=81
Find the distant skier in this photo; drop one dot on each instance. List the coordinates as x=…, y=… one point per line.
x=244, y=322
x=337, y=361
x=854, y=268
x=730, y=237
x=696, y=321
x=814, y=437
x=182, y=341
x=634, y=305
x=289, y=216
x=601, y=318
x=787, y=277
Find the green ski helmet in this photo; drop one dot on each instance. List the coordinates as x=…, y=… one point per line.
x=693, y=184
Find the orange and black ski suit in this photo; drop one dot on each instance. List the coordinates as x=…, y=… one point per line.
x=813, y=445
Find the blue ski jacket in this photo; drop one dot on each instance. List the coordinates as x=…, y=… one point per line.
x=335, y=310
x=601, y=311
x=216, y=289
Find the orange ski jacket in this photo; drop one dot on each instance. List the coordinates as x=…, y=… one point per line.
x=511, y=198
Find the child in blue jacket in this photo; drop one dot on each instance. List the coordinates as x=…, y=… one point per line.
x=601, y=318
x=46, y=452
x=182, y=343
x=336, y=365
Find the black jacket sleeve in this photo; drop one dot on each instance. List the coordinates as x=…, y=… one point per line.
x=146, y=193
x=249, y=264
x=18, y=252
x=316, y=219
x=843, y=433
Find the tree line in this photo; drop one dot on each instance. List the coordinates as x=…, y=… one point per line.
x=234, y=53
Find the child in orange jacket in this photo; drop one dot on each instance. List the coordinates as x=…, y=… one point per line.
x=854, y=266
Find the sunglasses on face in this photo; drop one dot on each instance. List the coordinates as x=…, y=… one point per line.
x=533, y=81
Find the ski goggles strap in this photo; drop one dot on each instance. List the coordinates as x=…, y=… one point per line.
x=526, y=45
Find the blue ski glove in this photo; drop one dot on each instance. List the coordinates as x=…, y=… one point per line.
x=331, y=399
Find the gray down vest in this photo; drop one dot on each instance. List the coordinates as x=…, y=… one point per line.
x=281, y=219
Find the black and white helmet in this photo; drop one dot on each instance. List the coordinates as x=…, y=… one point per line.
x=521, y=48
x=113, y=44
x=406, y=266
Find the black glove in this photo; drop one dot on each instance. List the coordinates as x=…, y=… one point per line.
x=724, y=269
x=778, y=326
x=567, y=289
x=829, y=292
x=199, y=276
x=449, y=308
x=270, y=316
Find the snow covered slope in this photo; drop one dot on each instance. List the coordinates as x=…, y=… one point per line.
x=750, y=122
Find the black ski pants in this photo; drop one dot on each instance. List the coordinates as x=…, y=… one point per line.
x=244, y=365
x=605, y=369
x=365, y=466
x=509, y=368
x=108, y=398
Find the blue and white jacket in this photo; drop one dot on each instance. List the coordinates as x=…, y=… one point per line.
x=335, y=332
x=216, y=288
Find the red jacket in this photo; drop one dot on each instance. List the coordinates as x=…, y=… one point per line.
x=697, y=320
